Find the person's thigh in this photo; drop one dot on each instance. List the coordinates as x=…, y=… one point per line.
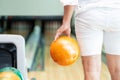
x=113, y=62
x=90, y=41
x=112, y=42
x=91, y=63
x=89, y=31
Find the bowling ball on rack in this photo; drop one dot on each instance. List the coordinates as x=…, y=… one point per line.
x=64, y=50
x=10, y=73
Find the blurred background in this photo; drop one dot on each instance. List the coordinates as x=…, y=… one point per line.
x=37, y=21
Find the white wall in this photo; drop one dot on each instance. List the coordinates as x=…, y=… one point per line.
x=31, y=7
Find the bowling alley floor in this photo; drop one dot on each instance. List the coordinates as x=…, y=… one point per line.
x=54, y=71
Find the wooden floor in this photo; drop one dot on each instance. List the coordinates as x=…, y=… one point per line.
x=54, y=71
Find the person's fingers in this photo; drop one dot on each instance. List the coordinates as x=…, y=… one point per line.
x=58, y=34
x=61, y=30
x=68, y=33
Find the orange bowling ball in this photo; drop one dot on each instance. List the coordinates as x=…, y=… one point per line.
x=65, y=50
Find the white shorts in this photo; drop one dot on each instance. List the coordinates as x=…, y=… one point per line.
x=98, y=28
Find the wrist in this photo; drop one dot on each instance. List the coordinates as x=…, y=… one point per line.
x=66, y=21
x=66, y=24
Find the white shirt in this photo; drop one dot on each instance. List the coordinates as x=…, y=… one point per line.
x=92, y=3
x=69, y=2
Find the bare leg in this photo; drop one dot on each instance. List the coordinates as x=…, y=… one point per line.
x=113, y=62
x=92, y=67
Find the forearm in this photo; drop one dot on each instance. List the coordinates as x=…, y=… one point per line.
x=68, y=11
x=65, y=27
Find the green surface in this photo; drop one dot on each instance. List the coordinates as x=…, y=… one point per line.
x=31, y=7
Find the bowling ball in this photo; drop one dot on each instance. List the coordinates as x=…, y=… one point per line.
x=10, y=73
x=65, y=50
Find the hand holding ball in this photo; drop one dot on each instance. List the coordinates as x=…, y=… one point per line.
x=65, y=50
